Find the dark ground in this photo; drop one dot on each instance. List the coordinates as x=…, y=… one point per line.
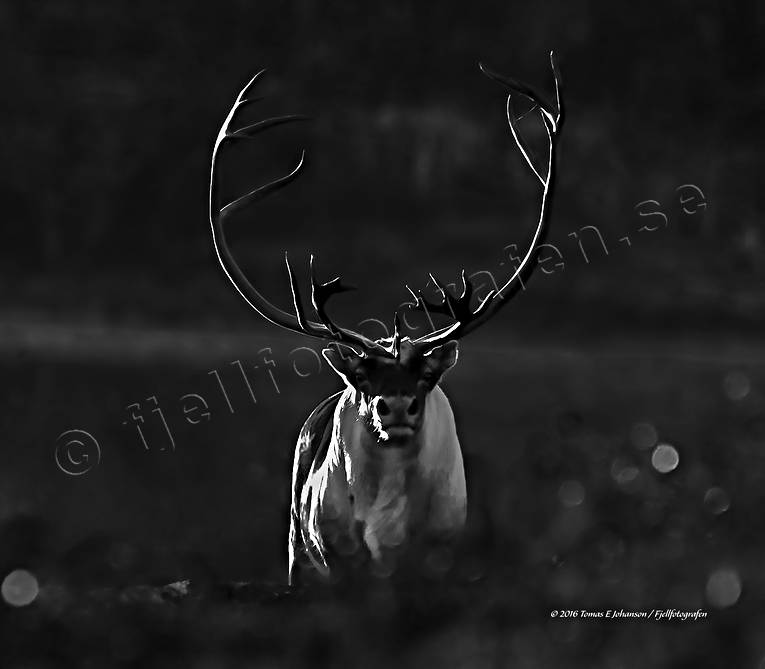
x=214, y=511
x=110, y=295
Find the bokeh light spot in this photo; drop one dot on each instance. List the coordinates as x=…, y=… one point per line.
x=571, y=493
x=736, y=386
x=723, y=588
x=19, y=588
x=643, y=436
x=625, y=474
x=665, y=458
x=716, y=500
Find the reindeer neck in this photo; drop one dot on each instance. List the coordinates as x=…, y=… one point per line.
x=368, y=463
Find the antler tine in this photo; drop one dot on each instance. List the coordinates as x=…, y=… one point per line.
x=552, y=118
x=261, y=192
x=519, y=139
x=297, y=299
x=467, y=288
x=320, y=295
x=558, y=96
x=296, y=322
x=445, y=306
x=421, y=303
x=514, y=85
x=457, y=307
x=396, y=338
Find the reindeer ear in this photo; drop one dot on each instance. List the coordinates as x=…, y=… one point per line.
x=442, y=358
x=344, y=360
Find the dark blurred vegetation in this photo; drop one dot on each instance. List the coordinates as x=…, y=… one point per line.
x=111, y=294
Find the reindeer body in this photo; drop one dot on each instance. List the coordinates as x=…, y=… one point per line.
x=354, y=497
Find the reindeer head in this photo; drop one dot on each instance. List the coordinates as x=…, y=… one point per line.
x=390, y=392
x=391, y=376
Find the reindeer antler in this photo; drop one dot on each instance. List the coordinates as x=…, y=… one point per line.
x=458, y=308
x=320, y=292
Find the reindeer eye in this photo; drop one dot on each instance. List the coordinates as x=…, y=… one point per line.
x=360, y=377
x=428, y=376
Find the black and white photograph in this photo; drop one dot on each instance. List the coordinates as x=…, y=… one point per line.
x=382, y=335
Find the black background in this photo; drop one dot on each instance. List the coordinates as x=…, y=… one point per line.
x=111, y=294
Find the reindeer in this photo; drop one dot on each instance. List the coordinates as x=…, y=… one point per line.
x=378, y=467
